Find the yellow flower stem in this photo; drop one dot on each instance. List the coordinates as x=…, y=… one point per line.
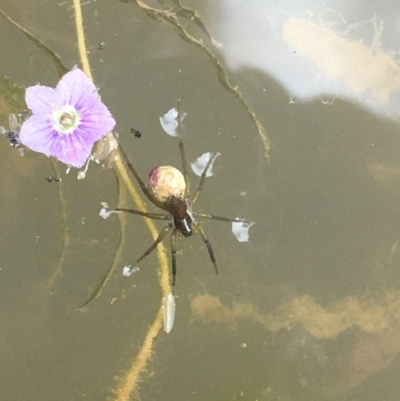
x=129, y=381
x=161, y=251
x=80, y=35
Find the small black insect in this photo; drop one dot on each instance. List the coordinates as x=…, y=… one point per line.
x=12, y=134
x=102, y=45
x=136, y=132
x=52, y=179
x=13, y=138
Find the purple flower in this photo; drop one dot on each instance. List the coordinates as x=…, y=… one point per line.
x=67, y=120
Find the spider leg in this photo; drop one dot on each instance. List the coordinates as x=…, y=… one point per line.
x=160, y=237
x=173, y=254
x=155, y=216
x=203, y=177
x=220, y=218
x=200, y=231
x=182, y=152
x=142, y=185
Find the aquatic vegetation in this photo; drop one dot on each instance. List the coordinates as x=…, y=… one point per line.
x=67, y=120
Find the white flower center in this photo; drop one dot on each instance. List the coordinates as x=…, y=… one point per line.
x=65, y=120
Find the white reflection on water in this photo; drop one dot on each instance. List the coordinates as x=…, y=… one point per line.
x=168, y=312
x=128, y=270
x=346, y=50
x=241, y=229
x=200, y=164
x=169, y=121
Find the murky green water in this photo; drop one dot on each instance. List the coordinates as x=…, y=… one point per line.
x=309, y=309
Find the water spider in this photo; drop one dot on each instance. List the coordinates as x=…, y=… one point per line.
x=169, y=190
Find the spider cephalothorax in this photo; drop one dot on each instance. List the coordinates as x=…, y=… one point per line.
x=178, y=207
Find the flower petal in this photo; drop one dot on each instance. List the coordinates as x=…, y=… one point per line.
x=37, y=134
x=75, y=88
x=71, y=149
x=96, y=122
x=40, y=98
x=45, y=131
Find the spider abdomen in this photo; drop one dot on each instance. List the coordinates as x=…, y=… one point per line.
x=166, y=182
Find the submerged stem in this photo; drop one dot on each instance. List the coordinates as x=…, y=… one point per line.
x=80, y=34
x=129, y=382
